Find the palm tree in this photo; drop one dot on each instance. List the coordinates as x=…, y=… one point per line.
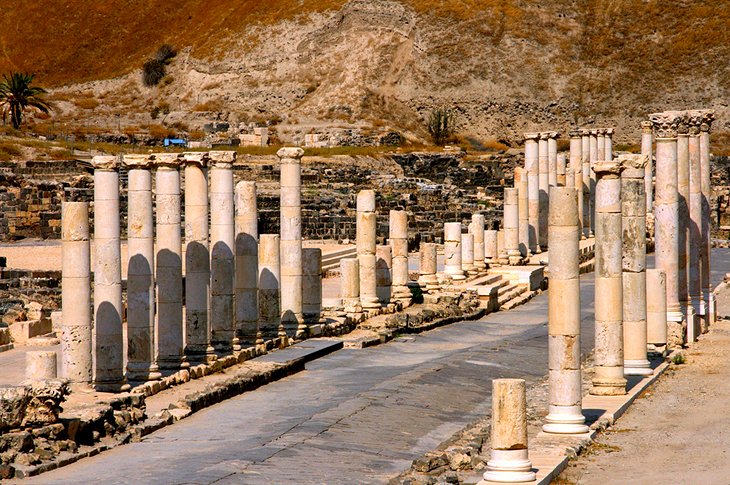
x=17, y=93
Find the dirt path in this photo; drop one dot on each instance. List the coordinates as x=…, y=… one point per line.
x=678, y=432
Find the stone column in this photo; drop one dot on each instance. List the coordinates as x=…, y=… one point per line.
x=646, y=150
x=291, y=240
x=608, y=145
x=490, y=245
x=633, y=222
x=544, y=184
x=609, y=356
x=601, y=144
x=593, y=156
x=476, y=228
x=561, y=170
x=683, y=227
x=511, y=226
x=222, y=241
x=366, y=232
x=553, y=158
x=467, y=254
x=576, y=163
x=522, y=209
x=587, y=183
x=502, y=257
x=708, y=295
x=109, y=343
x=141, y=365
x=508, y=459
x=312, y=285
x=41, y=365
x=197, y=259
x=383, y=278
x=398, y=240
x=656, y=309
x=666, y=218
x=452, y=251
x=269, y=285
x=350, y=284
x=564, y=371
x=76, y=338
x=533, y=191
x=694, y=283
x=247, y=263
x=428, y=267
x=168, y=261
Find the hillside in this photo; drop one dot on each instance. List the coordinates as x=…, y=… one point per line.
x=505, y=65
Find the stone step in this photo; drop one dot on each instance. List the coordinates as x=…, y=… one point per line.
x=513, y=292
x=520, y=299
x=305, y=351
x=339, y=254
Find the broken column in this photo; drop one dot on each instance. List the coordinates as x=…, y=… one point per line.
x=656, y=310
x=543, y=181
x=168, y=260
x=508, y=459
x=76, y=339
x=350, y=284
x=694, y=281
x=476, y=228
x=383, y=279
x=565, y=415
x=41, y=365
x=311, y=285
x=491, y=248
x=553, y=158
x=269, y=284
x=141, y=365
x=608, y=145
x=452, y=251
x=428, y=267
x=646, y=150
x=601, y=144
x=609, y=378
x=366, y=232
x=511, y=226
x=523, y=210
x=666, y=218
x=708, y=295
x=633, y=223
x=108, y=332
x=398, y=240
x=533, y=191
x=576, y=163
x=561, y=171
x=587, y=183
x=247, y=263
x=683, y=218
x=467, y=254
x=222, y=263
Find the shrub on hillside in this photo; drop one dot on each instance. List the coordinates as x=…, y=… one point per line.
x=441, y=125
x=154, y=69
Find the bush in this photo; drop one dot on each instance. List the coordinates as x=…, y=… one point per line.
x=153, y=70
x=441, y=125
x=165, y=53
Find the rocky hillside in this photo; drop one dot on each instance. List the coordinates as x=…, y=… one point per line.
x=506, y=66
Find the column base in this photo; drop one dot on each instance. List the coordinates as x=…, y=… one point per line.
x=565, y=420
x=639, y=367
x=302, y=331
x=173, y=362
x=457, y=277
x=480, y=265
x=509, y=466
x=607, y=386
x=370, y=302
x=122, y=386
x=143, y=372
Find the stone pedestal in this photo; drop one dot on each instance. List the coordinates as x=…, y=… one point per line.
x=576, y=163
x=428, y=268
x=350, y=284
x=476, y=228
x=647, y=140
x=269, y=285
x=40, y=365
x=533, y=190
x=383, y=278
x=490, y=246
x=508, y=459
x=683, y=219
x=562, y=171
x=222, y=262
x=656, y=309
x=398, y=240
x=452, y=251
x=467, y=254
x=564, y=371
x=523, y=211
x=587, y=183
x=312, y=285
x=511, y=226
x=76, y=338
x=141, y=365
x=609, y=378
x=247, y=263
x=666, y=218
x=553, y=159
x=109, y=345
x=366, y=233
x=544, y=184
x=694, y=281
x=168, y=261
x=708, y=296
x=633, y=222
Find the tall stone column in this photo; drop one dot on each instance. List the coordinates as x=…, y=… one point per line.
x=452, y=251
x=683, y=211
x=312, y=285
x=383, y=278
x=587, y=183
x=350, y=284
x=247, y=263
x=708, y=296
x=544, y=184
x=601, y=144
x=553, y=158
x=141, y=365
x=633, y=222
x=76, y=333
x=593, y=156
x=109, y=342
x=398, y=240
x=694, y=282
x=508, y=459
x=291, y=240
x=656, y=309
x=608, y=145
x=168, y=261
x=666, y=218
x=366, y=235
x=222, y=262
x=269, y=285
x=576, y=162
x=467, y=254
x=561, y=170
x=511, y=225
x=647, y=140
x=609, y=378
x=491, y=248
x=197, y=259
x=476, y=228
x=427, y=268
x=523, y=210
x=533, y=190
x=564, y=372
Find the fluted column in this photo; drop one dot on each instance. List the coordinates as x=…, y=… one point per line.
x=647, y=140
x=398, y=240
x=694, y=282
x=561, y=170
x=476, y=228
x=141, y=365
x=705, y=256
x=544, y=184
x=247, y=263
x=609, y=378
x=608, y=144
x=511, y=225
x=523, y=210
x=533, y=190
x=666, y=218
x=312, y=285
x=553, y=158
x=452, y=251
x=269, y=285
x=587, y=183
x=427, y=268
x=76, y=329
x=109, y=342
x=576, y=163
x=366, y=232
x=683, y=227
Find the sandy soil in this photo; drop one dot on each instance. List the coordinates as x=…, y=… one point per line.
x=677, y=432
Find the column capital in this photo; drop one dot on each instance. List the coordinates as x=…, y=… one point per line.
x=574, y=133
x=585, y=132
x=105, y=162
x=292, y=153
x=166, y=160
x=593, y=132
x=646, y=127
x=707, y=119
x=554, y=134
x=633, y=165
x=544, y=135
x=609, y=131
x=200, y=159
x=694, y=119
x=608, y=169
x=683, y=126
x=136, y=161
x=222, y=158
x=665, y=124
x=532, y=136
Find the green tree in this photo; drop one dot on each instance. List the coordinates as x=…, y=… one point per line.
x=441, y=125
x=17, y=93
